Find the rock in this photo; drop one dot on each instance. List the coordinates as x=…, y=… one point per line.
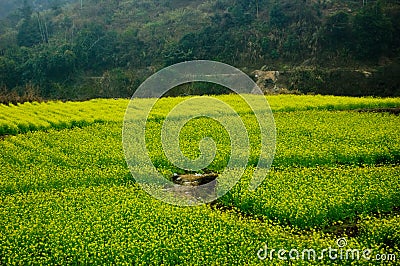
x=194, y=179
x=266, y=80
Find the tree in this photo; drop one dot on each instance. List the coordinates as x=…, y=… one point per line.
x=277, y=16
x=336, y=30
x=95, y=47
x=8, y=73
x=28, y=33
x=372, y=31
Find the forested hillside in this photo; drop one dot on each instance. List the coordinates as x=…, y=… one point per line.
x=9, y=6
x=93, y=48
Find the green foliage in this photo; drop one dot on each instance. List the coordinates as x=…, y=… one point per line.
x=373, y=31
x=143, y=36
x=28, y=33
x=94, y=47
x=8, y=73
x=337, y=30
x=383, y=230
x=277, y=17
x=51, y=63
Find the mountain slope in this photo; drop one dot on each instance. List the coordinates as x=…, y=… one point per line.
x=106, y=48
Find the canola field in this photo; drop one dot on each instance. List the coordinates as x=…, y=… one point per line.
x=68, y=197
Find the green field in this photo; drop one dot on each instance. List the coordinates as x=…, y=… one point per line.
x=68, y=197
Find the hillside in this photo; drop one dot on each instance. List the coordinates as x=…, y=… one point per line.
x=107, y=48
x=9, y=6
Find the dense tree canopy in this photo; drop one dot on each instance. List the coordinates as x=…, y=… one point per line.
x=75, y=49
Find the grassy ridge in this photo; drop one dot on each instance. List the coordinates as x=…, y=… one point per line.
x=317, y=197
x=57, y=115
x=28, y=117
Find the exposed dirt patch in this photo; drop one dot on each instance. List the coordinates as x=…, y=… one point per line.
x=394, y=111
x=3, y=137
x=349, y=228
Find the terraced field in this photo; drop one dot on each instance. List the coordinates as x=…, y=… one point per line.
x=68, y=197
